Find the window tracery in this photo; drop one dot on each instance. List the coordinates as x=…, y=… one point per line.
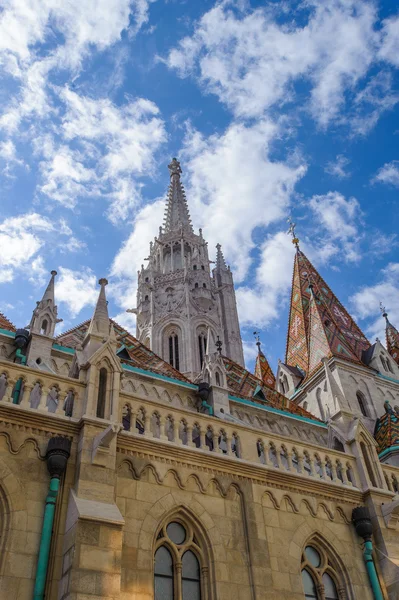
x=320, y=578
x=180, y=572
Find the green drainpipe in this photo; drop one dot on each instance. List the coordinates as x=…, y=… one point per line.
x=58, y=451
x=208, y=406
x=362, y=522
x=370, y=566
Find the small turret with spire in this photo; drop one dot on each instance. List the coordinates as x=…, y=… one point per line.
x=392, y=335
x=44, y=317
x=263, y=370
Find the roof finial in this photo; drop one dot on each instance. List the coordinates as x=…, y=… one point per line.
x=383, y=311
x=291, y=231
x=174, y=168
x=258, y=343
x=219, y=345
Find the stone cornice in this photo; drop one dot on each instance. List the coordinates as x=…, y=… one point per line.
x=238, y=469
x=40, y=421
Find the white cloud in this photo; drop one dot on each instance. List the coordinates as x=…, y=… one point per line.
x=338, y=167
x=389, y=174
x=232, y=180
x=71, y=30
x=250, y=60
x=110, y=146
x=371, y=102
x=367, y=300
x=126, y=320
x=76, y=289
x=389, y=50
x=21, y=239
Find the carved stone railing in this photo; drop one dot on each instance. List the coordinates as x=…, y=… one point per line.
x=39, y=390
x=391, y=475
x=201, y=432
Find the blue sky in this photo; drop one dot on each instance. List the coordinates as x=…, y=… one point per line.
x=273, y=108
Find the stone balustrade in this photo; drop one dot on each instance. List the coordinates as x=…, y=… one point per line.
x=205, y=433
x=391, y=475
x=40, y=390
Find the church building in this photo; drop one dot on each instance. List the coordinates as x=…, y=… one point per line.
x=155, y=466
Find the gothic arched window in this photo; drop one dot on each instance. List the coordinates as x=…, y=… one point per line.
x=202, y=347
x=319, y=578
x=384, y=364
x=102, y=393
x=362, y=403
x=43, y=329
x=179, y=558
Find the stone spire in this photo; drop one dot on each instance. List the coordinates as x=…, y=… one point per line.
x=99, y=324
x=263, y=370
x=392, y=336
x=319, y=325
x=220, y=261
x=44, y=317
x=176, y=215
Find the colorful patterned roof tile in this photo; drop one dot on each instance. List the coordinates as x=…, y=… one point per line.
x=386, y=430
x=6, y=324
x=320, y=328
x=263, y=370
x=392, y=335
x=140, y=356
x=245, y=385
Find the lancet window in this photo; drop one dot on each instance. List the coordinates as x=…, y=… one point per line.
x=174, y=350
x=179, y=564
x=102, y=393
x=362, y=403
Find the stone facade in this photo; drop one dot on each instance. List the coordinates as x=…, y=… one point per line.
x=247, y=470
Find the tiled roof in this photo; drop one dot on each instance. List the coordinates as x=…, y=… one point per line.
x=386, y=430
x=6, y=324
x=245, y=385
x=140, y=356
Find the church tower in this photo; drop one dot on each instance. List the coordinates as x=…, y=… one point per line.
x=179, y=300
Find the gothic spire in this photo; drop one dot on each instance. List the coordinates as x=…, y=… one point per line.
x=263, y=370
x=176, y=214
x=319, y=325
x=44, y=317
x=220, y=262
x=392, y=336
x=99, y=324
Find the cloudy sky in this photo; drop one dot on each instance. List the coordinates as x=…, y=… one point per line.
x=273, y=108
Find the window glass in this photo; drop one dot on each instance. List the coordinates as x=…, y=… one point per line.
x=312, y=556
x=163, y=577
x=329, y=587
x=176, y=533
x=191, y=577
x=308, y=585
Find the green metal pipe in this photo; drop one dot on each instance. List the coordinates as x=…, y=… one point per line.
x=208, y=406
x=45, y=541
x=372, y=573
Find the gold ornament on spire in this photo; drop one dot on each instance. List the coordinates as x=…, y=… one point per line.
x=291, y=231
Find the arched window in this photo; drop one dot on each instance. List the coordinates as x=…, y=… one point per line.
x=362, y=403
x=202, y=347
x=146, y=298
x=102, y=393
x=178, y=561
x=204, y=285
x=195, y=267
x=196, y=285
x=217, y=378
x=384, y=364
x=43, y=329
x=174, y=350
x=202, y=267
x=318, y=575
x=368, y=464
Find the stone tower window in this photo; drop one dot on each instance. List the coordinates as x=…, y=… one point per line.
x=202, y=347
x=43, y=329
x=202, y=267
x=204, y=285
x=196, y=285
x=195, y=267
x=174, y=350
x=177, y=567
x=102, y=392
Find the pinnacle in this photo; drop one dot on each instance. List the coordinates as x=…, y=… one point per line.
x=176, y=214
x=220, y=261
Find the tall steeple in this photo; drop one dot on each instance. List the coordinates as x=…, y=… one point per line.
x=99, y=324
x=263, y=370
x=180, y=303
x=177, y=216
x=392, y=336
x=44, y=317
x=319, y=325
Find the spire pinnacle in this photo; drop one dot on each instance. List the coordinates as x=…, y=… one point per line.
x=383, y=311
x=177, y=216
x=44, y=317
x=291, y=231
x=220, y=261
x=392, y=336
x=99, y=323
x=263, y=370
x=49, y=293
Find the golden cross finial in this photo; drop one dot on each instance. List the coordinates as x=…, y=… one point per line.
x=291, y=231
